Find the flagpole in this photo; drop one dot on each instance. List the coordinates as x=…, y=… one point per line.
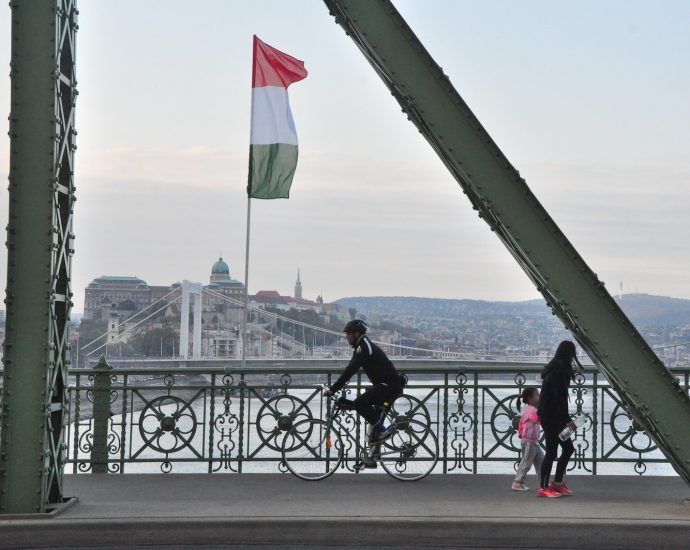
x=246, y=288
x=270, y=68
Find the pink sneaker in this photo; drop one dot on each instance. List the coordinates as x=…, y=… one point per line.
x=550, y=493
x=561, y=488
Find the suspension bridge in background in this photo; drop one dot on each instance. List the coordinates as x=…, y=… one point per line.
x=269, y=334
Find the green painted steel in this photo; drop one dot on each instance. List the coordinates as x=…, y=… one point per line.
x=101, y=416
x=503, y=199
x=39, y=241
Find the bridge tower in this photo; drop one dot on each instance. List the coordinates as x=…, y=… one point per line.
x=189, y=290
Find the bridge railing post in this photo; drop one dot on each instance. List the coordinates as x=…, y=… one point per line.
x=101, y=417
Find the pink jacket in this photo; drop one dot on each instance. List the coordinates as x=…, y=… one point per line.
x=528, y=428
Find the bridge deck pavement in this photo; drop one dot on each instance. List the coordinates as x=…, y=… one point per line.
x=190, y=510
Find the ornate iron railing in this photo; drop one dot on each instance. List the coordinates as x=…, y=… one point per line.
x=193, y=420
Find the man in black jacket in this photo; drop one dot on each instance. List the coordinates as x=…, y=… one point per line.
x=387, y=384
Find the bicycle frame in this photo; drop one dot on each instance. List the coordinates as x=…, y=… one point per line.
x=333, y=414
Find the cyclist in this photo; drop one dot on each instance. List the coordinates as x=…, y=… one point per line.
x=387, y=384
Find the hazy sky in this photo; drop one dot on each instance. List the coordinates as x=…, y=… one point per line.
x=589, y=100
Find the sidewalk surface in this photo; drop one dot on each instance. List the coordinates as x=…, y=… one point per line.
x=229, y=511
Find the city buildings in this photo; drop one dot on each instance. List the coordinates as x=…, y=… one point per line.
x=125, y=306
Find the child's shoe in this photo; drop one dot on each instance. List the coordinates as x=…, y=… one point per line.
x=519, y=487
x=561, y=488
x=549, y=493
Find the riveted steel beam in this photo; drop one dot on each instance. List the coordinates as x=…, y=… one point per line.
x=503, y=199
x=40, y=247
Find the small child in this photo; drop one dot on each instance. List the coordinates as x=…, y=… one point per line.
x=528, y=430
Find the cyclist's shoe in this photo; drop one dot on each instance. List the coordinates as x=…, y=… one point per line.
x=549, y=493
x=345, y=404
x=561, y=488
x=378, y=433
x=367, y=463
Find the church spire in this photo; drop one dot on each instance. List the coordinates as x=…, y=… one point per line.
x=298, y=287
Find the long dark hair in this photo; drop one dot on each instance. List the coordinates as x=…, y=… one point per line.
x=564, y=358
x=524, y=396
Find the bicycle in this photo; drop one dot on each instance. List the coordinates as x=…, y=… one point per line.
x=313, y=449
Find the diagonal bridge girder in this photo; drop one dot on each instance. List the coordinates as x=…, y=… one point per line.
x=650, y=392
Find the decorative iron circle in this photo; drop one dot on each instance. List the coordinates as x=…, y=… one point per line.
x=503, y=423
x=276, y=416
x=228, y=380
x=628, y=433
x=167, y=424
x=285, y=422
x=412, y=408
x=515, y=422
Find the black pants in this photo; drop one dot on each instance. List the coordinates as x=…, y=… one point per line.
x=551, y=432
x=369, y=403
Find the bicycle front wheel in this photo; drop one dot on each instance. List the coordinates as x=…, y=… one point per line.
x=411, y=452
x=312, y=450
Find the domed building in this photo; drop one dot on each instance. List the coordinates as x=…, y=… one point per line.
x=220, y=271
x=220, y=278
x=222, y=308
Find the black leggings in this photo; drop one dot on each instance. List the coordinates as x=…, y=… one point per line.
x=369, y=403
x=551, y=432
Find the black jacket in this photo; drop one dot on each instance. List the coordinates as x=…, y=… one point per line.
x=374, y=361
x=553, y=399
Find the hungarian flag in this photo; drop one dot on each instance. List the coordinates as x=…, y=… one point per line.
x=273, y=142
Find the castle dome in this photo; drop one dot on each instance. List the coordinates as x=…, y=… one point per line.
x=220, y=268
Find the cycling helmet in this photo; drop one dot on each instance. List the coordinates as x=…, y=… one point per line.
x=356, y=325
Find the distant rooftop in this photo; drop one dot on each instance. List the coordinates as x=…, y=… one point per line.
x=109, y=280
x=269, y=296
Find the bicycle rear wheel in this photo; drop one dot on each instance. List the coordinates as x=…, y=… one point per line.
x=411, y=452
x=311, y=450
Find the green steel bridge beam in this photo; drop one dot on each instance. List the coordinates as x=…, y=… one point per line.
x=503, y=199
x=40, y=246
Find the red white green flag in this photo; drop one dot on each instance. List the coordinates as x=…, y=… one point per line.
x=273, y=142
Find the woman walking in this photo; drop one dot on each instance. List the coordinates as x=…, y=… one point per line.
x=554, y=417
